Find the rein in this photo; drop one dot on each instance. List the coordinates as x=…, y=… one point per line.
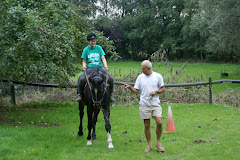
x=95, y=102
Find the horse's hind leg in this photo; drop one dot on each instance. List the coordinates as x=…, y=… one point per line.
x=106, y=115
x=96, y=112
x=81, y=113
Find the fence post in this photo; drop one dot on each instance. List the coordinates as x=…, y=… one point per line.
x=210, y=90
x=13, y=94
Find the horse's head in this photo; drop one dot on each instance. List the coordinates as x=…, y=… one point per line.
x=99, y=86
x=97, y=79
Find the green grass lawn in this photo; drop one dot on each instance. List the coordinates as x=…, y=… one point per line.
x=48, y=130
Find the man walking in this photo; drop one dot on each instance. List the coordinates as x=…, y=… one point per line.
x=150, y=84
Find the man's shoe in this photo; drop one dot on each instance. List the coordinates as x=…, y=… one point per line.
x=148, y=149
x=79, y=98
x=159, y=147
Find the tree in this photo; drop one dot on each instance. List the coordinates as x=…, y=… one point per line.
x=191, y=43
x=151, y=25
x=89, y=6
x=219, y=22
x=110, y=29
x=41, y=40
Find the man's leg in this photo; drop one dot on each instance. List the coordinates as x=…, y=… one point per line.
x=147, y=134
x=158, y=128
x=159, y=133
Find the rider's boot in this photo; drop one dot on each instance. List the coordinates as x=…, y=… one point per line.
x=79, y=98
x=112, y=98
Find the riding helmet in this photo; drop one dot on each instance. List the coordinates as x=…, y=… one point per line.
x=91, y=36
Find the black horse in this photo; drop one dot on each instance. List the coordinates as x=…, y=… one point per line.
x=96, y=95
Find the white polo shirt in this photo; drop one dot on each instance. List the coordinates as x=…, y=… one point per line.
x=146, y=84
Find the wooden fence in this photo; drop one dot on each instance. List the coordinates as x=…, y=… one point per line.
x=210, y=83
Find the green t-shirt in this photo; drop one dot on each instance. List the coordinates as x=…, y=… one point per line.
x=93, y=56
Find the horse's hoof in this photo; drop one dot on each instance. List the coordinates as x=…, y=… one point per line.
x=110, y=146
x=80, y=134
x=94, y=139
x=89, y=143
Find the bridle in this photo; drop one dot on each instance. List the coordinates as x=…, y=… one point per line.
x=95, y=102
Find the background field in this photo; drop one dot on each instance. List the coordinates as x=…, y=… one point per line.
x=48, y=130
x=197, y=71
x=127, y=71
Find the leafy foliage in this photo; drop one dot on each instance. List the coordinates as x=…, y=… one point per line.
x=41, y=40
x=147, y=26
x=219, y=22
x=196, y=29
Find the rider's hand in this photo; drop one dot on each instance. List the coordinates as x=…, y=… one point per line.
x=106, y=68
x=84, y=68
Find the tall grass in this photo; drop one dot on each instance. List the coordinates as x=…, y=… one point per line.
x=48, y=130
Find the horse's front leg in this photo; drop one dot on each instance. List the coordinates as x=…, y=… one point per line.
x=90, y=124
x=106, y=114
x=96, y=112
x=81, y=114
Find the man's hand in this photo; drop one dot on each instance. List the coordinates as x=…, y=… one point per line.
x=153, y=93
x=126, y=85
x=84, y=68
x=130, y=87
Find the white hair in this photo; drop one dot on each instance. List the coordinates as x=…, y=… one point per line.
x=148, y=63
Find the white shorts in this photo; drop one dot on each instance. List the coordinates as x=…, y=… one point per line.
x=146, y=112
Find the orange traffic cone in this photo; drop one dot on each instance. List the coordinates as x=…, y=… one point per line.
x=170, y=122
